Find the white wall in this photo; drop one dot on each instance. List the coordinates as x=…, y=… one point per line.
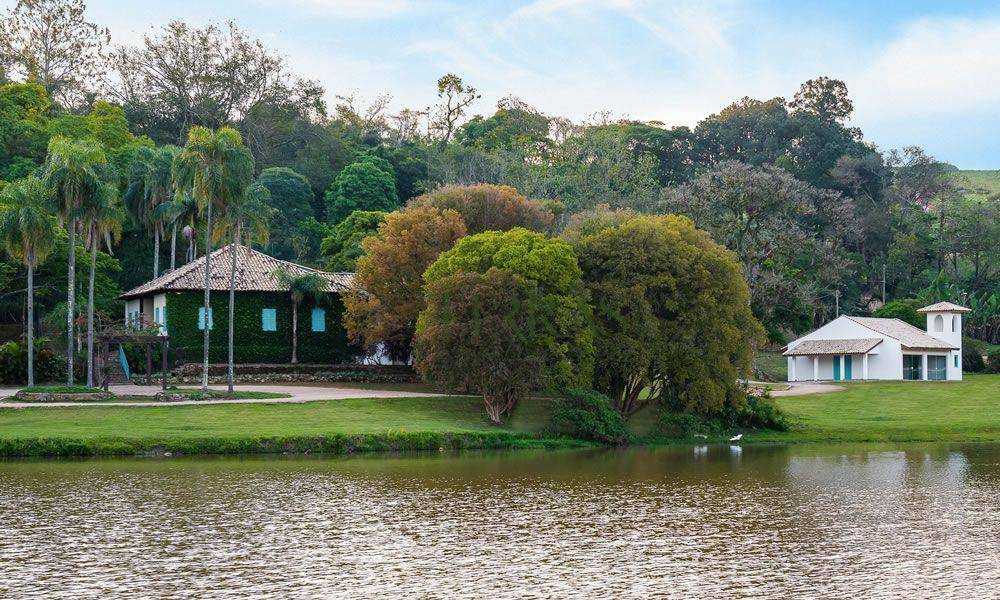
x=885, y=361
x=131, y=306
x=951, y=332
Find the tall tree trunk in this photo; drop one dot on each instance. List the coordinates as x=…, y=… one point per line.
x=70, y=296
x=173, y=247
x=31, y=319
x=295, y=332
x=90, y=309
x=208, y=270
x=156, y=252
x=232, y=302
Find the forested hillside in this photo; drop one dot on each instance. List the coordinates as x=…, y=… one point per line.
x=817, y=215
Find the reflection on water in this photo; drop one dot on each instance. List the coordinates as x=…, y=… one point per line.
x=707, y=521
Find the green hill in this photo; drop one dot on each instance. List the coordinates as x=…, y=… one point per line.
x=978, y=183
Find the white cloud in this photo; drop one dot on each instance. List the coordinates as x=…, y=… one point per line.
x=350, y=9
x=935, y=67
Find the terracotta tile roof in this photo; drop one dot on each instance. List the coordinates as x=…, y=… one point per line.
x=908, y=335
x=255, y=272
x=944, y=307
x=813, y=347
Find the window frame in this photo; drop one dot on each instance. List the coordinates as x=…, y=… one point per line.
x=265, y=315
x=312, y=320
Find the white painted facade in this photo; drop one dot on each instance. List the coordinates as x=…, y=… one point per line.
x=890, y=358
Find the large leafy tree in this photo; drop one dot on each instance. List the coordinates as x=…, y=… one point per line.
x=75, y=171
x=360, y=186
x=384, y=308
x=487, y=207
x=291, y=197
x=543, y=322
x=27, y=234
x=671, y=312
x=216, y=169
x=52, y=43
x=343, y=246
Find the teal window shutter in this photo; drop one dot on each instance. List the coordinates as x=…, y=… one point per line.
x=269, y=319
x=201, y=318
x=156, y=315
x=318, y=319
x=956, y=361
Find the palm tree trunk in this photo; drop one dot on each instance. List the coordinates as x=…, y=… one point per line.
x=70, y=296
x=173, y=247
x=31, y=320
x=232, y=302
x=156, y=252
x=208, y=270
x=90, y=310
x=295, y=332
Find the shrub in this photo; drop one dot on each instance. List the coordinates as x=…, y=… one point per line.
x=904, y=310
x=589, y=415
x=993, y=360
x=14, y=363
x=972, y=355
x=756, y=412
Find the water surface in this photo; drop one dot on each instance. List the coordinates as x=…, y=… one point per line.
x=709, y=522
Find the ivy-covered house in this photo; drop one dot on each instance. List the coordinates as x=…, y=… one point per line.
x=262, y=332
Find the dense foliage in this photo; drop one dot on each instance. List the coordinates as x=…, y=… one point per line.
x=586, y=414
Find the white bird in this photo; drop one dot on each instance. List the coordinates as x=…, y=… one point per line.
x=736, y=438
x=701, y=435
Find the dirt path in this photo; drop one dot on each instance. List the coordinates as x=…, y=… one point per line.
x=796, y=388
x=297, y=394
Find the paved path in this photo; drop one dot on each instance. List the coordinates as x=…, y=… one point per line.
x=297, y=394
x=798, y=388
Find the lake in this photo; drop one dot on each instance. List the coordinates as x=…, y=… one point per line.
x=705, y=522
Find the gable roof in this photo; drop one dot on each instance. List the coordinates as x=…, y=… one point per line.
x=943, y=307
x=255, y=272
x=908, y=335
x=813, y=347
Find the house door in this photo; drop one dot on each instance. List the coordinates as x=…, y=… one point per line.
x=836, y=367
x=847, y=367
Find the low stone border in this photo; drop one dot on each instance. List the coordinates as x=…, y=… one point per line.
x=23, y=396
x=342, y=377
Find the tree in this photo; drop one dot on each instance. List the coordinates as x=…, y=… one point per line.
x=215, y=168
x=384, y=308
x=307, y=240
x=51, y=42
x=487, y=207
x=824, y=97
x=249, y=210
x=343, y=245
x=101, y=218
x=904, y=310
x=454, y=98
x=291, y=197
x=300, y=288
x=360, y=186
x=27, y=234
x=150, y=186
x=73, y=170
x=671, y=312
x=552, y=332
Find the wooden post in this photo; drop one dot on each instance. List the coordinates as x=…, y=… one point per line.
x=164, y=346
x=149, y=364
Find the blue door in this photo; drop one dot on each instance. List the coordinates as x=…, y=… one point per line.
x=847, y=367
x=836, y=368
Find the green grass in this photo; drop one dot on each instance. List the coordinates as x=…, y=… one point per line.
x=771, y=366
x=63, y=389
x=980, y=184
x=896, y=411
x=196, y=394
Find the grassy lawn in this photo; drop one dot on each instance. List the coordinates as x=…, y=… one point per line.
x=896, y=411
x=771, y=365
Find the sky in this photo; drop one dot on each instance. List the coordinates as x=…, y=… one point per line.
x=919, y=72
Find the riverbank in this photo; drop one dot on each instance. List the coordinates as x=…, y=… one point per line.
x=888, y=411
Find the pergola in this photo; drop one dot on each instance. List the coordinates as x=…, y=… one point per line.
x=134, y=337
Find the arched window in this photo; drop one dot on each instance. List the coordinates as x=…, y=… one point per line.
x=939, y=323
x=954, y=323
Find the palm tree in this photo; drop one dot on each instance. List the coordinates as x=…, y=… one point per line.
x=102, y=218
x=27, y=234
x=252, y=211
x=182, y=211
x=302, y=287
x=150, y=186
x=216, y=168
x=71, y=170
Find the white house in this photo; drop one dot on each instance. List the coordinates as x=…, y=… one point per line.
x=870, y=348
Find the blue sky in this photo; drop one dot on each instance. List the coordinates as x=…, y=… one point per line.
x=925, y=73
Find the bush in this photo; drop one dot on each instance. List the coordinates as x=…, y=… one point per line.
x=756, y=412
x=972, y=355
x=14, y=363
x=589, y=415
x=993, y=360
x=904, y=310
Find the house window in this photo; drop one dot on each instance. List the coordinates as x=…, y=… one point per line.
x=939, y=323
x=156, y=315
x=201, y=319
x=954, y=323
x=937, y=368
x=318, y=319
x=956, y=361
x=912, y=367
x=269, y=319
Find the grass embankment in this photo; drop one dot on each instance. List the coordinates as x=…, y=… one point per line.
x=890, y=411
x=902, y=411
